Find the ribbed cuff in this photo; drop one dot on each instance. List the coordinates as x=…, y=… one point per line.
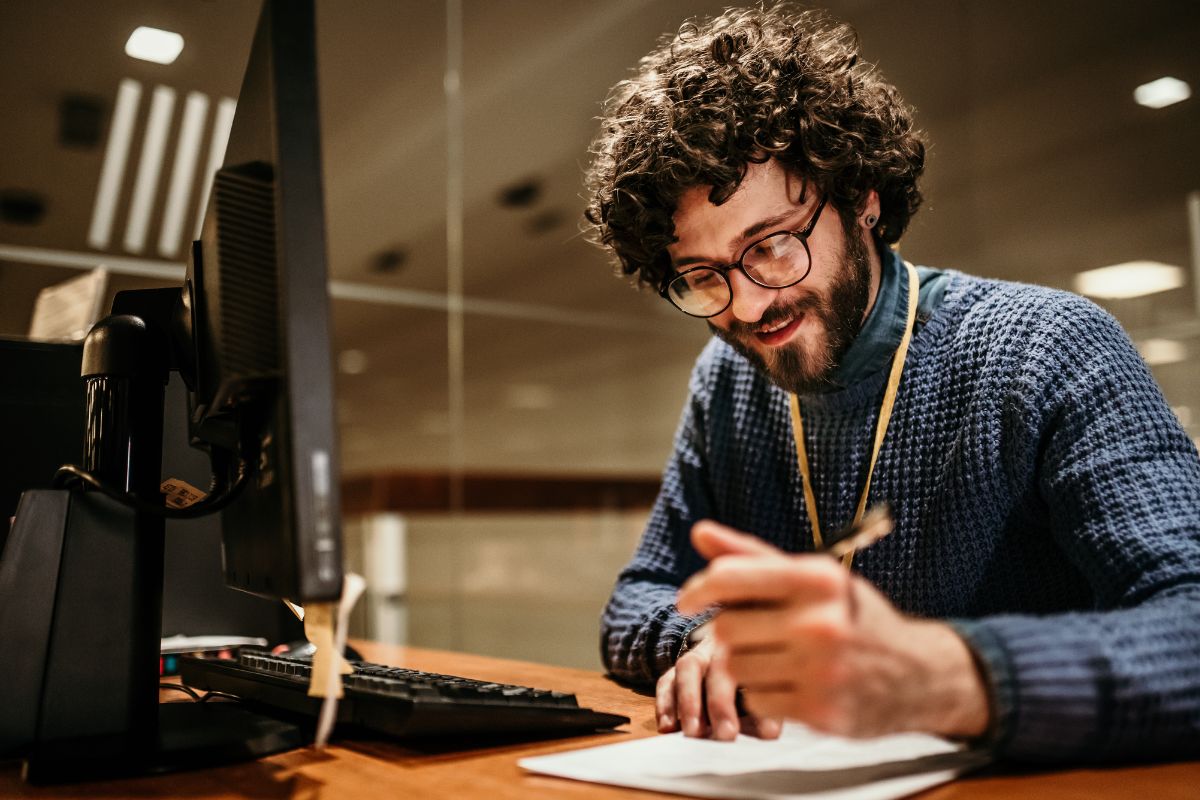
x=995, y=666
x=672, y=638
x=687, y=643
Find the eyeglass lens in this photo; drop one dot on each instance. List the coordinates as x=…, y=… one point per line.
x=775, y=262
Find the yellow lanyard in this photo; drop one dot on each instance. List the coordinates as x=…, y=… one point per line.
x=885, y=414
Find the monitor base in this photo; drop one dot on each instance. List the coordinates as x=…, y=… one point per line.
x=191, y=735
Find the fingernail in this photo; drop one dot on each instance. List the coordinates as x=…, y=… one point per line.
x=727, y=730
x=665, y=723
x=690, y=726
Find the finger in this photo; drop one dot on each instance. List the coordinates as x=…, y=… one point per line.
x=764, y=728
x=689, y=696
x=768, y=705
x=769, y=728
x=818, y=626
x=765, y=670
x=712, y=539
x=664, y=702
x=734, y=579
x=752, y=627
x=720, y=691
x=826, y=714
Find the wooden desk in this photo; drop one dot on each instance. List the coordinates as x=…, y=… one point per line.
x=381, y=769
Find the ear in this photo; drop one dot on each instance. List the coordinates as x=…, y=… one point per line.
x=868, y=215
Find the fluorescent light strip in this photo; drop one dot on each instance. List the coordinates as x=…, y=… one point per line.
x=418, y=298
x=388, y=296
x=186, y=153
x=141, y=267
x=222, y=123
x=159, y=123
x=129, y=94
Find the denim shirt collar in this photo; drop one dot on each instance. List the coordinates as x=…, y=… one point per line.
x=880, y=335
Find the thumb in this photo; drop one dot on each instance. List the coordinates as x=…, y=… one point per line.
x=712, y=539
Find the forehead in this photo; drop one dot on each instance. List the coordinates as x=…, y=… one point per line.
x=705, y=230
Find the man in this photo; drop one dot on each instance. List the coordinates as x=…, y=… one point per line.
x=1040, y=591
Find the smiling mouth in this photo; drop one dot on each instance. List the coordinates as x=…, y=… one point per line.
x=779, y=332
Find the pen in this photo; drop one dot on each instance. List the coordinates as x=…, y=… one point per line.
x=874, y=525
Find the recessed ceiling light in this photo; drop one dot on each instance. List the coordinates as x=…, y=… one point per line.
x=353, y=362
x=390, y=260
x=521, y=194
x=152, y=44
x=1131, y=279
x=1162, y=92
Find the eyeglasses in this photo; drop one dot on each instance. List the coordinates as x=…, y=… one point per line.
x=776, y=261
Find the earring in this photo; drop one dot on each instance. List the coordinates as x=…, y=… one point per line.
x=870, y=220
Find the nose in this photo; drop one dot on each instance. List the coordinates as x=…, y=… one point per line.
x=749, y=299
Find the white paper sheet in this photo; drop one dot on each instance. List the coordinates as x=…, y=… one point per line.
x=800, y=764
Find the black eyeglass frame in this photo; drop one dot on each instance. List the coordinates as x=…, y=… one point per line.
x=724, y=270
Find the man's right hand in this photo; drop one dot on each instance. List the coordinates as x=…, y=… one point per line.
x=699, y=695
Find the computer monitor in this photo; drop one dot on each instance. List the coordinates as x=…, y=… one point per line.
x=257, y=290
x=81, y=572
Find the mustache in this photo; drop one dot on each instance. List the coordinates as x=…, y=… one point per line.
x=779, y=312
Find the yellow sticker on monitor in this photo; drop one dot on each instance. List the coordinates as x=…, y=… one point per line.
x=180, y=494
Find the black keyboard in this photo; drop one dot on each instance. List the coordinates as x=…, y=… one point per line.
x=397, y=702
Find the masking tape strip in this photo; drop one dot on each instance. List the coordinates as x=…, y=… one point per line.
x=352, y=588
x=295, y=609
x=325, y=626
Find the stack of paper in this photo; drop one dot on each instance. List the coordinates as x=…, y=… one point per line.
x=800, y=764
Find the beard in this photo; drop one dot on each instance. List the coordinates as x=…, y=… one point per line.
x=806, y=366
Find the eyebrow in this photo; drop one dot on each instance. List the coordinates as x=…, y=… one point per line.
x=753, y=230
x=763, y=225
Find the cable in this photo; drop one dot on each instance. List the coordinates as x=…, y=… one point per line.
x=196, y=696
x=185, y=689
x=218, y=498
x=214, y=693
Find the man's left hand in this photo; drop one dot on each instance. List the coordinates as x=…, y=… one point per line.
x=806, y=640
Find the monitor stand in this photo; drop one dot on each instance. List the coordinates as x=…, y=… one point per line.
x=81, y=581
x=189, y=735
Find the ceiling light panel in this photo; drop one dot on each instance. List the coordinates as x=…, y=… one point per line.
x=1131, y=279
x=1158, y=352
x=153, y=44
x=1162, y=92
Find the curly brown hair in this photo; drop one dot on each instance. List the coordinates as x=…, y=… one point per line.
x=747, y=86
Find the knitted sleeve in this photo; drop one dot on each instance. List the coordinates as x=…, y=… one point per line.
x=1120, y=481
x=641, y=632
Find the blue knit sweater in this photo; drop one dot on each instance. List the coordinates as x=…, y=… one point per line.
x=1047, y=505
